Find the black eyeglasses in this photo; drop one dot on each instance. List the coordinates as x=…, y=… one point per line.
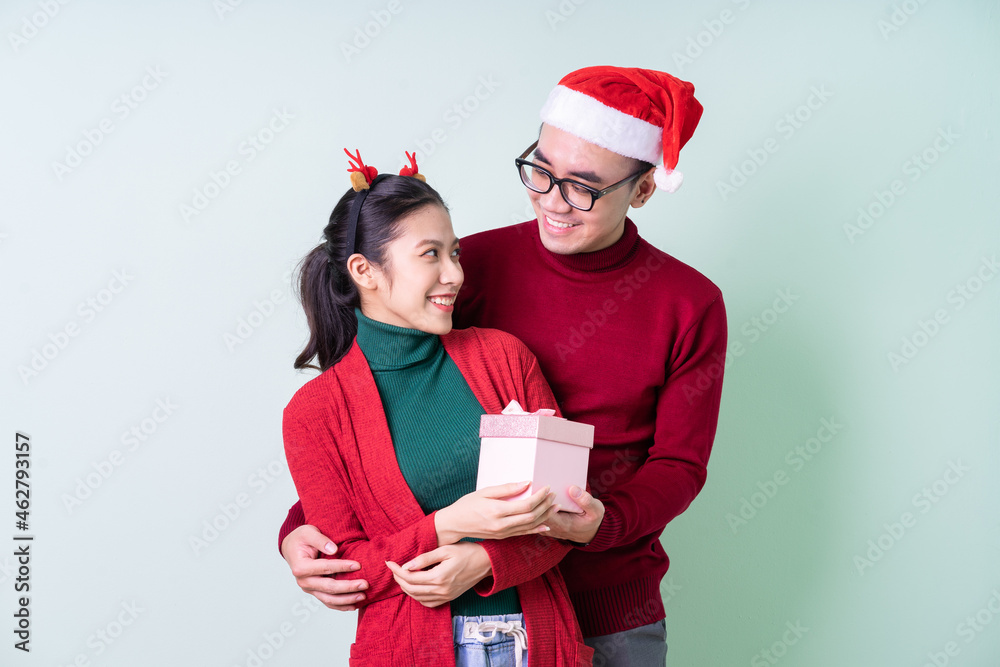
x=576, y=194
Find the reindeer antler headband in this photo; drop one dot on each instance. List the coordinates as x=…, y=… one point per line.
x=363, y=179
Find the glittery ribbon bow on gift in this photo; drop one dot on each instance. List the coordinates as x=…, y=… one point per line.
x=514, y=408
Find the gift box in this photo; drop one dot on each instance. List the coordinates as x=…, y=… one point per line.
x=548, y=450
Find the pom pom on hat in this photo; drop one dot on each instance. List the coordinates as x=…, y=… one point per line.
x=639, y=113
x=667, y=179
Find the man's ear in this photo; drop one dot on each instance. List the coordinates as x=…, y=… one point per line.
x=645, y=189
x=362, y=271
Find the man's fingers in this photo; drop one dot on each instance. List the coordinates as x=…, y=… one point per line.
x=310, y=567
x=581, y=498
x=311, y=536
x=330, y=586
x=340, y=602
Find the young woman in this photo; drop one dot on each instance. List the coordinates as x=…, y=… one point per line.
x=383, y=446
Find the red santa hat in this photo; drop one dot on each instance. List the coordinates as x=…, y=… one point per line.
x=638, y=113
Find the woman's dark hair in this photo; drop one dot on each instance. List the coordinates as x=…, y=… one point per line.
x=326, y=290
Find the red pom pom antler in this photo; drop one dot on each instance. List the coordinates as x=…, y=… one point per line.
x=358, y=165
x=412, y=169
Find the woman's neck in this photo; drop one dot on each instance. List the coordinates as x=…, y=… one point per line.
x=387, y=346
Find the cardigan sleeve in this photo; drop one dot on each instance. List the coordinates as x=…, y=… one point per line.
x=294, y=519
x=687, y=413
x=324, y=488
x=516, y=560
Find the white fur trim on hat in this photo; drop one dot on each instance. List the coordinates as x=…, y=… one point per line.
x=585, y=117
x=667, y=179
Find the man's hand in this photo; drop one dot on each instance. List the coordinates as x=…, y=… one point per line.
x=313, y=574
x=579, y=528
x=455, y=568
x=484, y=514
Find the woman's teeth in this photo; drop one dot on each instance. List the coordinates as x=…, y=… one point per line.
x=442, y=300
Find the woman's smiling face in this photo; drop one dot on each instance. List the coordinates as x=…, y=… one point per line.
x=417, y=285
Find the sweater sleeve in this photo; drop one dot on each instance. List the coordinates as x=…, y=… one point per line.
x=324, y=488
x=516, y=560
x=294, y=519
x=687, y=413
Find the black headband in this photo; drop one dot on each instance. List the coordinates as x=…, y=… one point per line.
x=352, y=219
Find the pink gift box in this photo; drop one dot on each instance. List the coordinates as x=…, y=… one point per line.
x=548, y=450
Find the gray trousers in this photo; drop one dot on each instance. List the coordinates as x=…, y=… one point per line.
x=644, y=646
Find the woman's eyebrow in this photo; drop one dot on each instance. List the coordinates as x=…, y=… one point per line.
x=435, y=242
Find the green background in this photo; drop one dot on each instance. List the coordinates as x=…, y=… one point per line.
x=751, y=558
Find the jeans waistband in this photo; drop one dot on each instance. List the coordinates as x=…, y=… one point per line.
x=489, y=630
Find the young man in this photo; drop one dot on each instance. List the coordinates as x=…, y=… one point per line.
x=630, y=339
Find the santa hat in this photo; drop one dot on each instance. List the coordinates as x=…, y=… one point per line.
x=638, y=113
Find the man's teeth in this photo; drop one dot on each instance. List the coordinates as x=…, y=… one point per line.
x=559, y=225
x=443, y=300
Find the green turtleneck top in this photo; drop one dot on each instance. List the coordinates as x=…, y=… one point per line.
x=433, y=419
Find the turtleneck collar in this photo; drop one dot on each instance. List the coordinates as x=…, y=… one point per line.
x=615, y=256
x=388, y=347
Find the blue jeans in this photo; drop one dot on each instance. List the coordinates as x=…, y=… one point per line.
x=490, y=641
x=644, y=646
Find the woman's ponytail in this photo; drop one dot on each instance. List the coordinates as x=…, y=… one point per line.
x=329, y=301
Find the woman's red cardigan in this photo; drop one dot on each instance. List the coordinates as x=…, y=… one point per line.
x=341, y=458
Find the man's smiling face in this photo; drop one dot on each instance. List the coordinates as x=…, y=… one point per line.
x=565, y=230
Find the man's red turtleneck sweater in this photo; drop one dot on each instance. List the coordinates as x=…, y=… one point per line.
x=632, y=341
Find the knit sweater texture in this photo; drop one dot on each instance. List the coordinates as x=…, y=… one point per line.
x=439, y=457
x=340, y=456
x=632, y=341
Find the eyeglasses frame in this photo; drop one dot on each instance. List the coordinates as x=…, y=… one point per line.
x=594, y=192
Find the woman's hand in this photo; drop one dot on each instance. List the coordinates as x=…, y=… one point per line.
x=455, y=568
x=483, y=514
x=579, y=528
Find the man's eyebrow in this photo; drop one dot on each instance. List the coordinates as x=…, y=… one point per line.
x=583, y=175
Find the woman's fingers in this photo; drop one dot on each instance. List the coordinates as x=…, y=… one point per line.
x=526, y=518
x=501, y=491
x=425, y=560
x=527, y=505
x=426, y=594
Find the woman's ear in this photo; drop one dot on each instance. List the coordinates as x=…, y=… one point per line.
x=362, y=271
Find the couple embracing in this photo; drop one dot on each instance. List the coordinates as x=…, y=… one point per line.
x=418, y=334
